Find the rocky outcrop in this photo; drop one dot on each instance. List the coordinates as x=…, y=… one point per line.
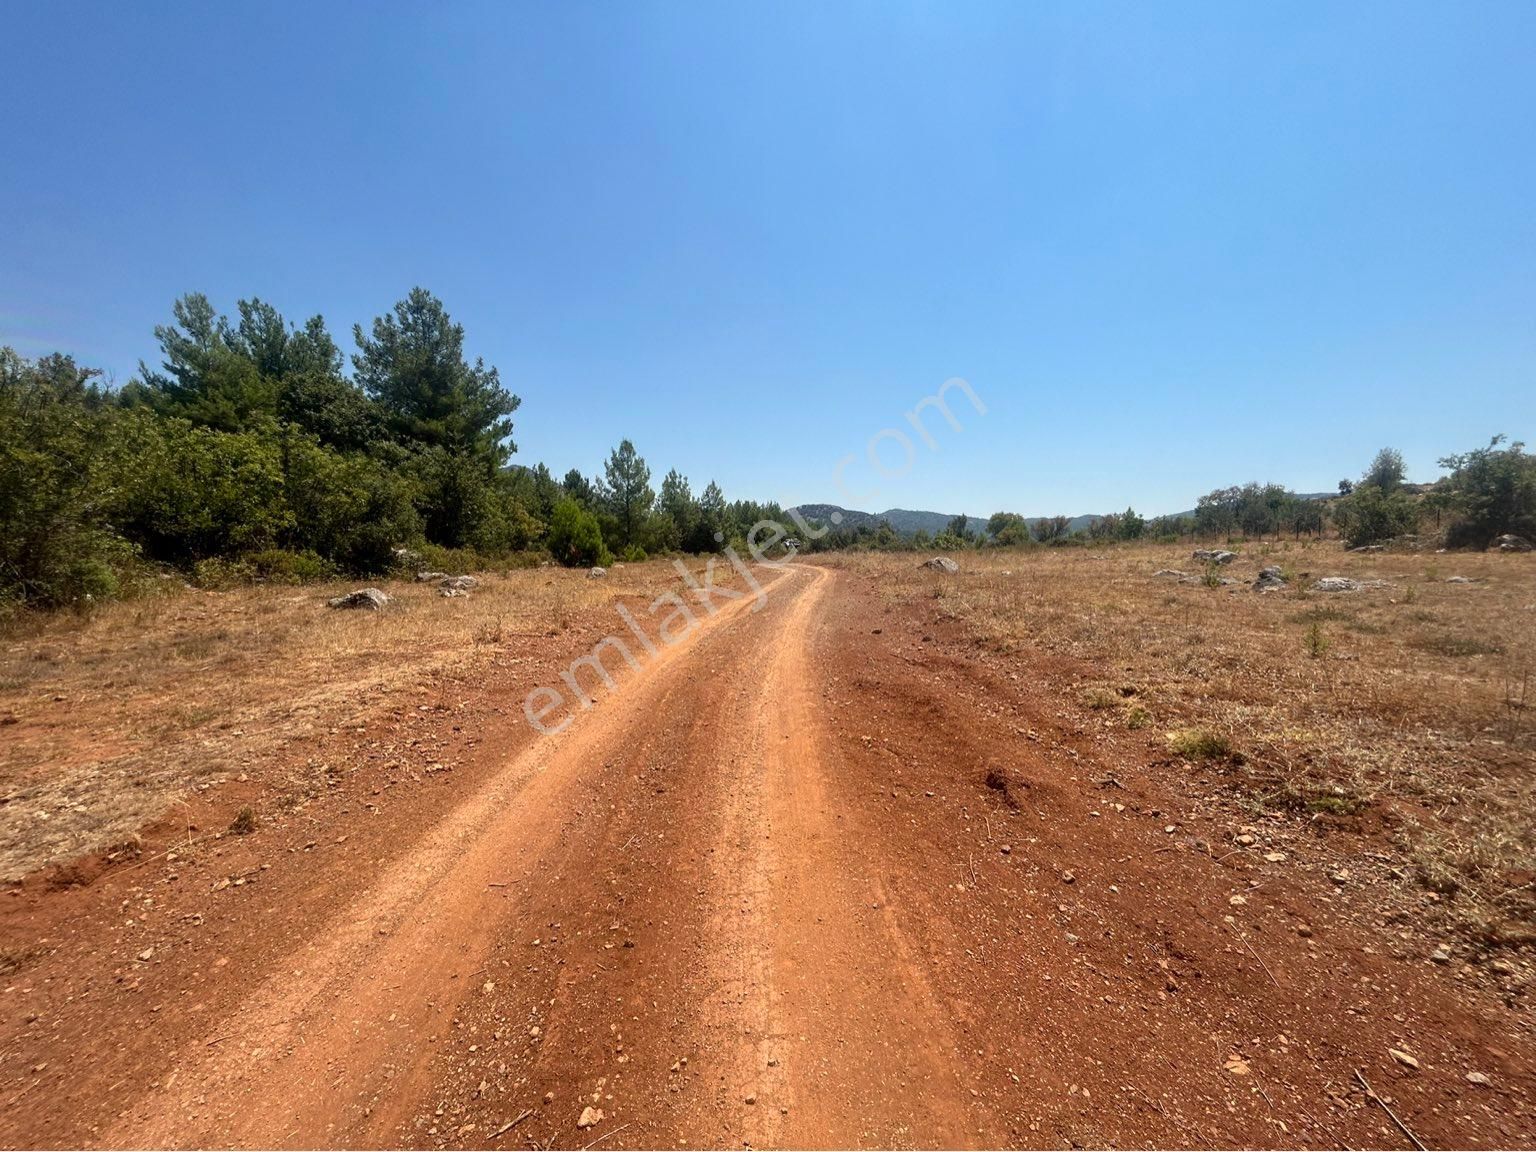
x=370, y=598
x=1270, y=579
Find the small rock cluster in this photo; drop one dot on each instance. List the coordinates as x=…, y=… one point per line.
x=1270, y=579
x=1345, y=584
x=370, y=598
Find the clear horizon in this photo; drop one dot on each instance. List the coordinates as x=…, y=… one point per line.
x=1171, y=249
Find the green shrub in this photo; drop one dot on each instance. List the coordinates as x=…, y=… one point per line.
x=57, y=545
x=347, y=508
x=1199, y=744
x=1491, y=491
x=1370, y=515
x=574, y=539
x=284, y=567
x=185, y=493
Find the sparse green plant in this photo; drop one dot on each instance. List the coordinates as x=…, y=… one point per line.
x=1137, y=718
x=1199, y=744
x=1100, y=698
x=244, y=822
x=1316, y=642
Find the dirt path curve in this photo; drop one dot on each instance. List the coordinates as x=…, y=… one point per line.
x=807, y=990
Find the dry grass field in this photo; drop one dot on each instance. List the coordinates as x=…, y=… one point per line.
x=1405, y=708
x=1053, y=850
x=106, y=719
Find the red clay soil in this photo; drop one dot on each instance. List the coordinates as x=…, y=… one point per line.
x=821, y=875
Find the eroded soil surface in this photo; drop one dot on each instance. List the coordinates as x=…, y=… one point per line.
x=819, y=875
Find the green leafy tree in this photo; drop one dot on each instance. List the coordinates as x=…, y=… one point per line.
x=1490, y=492
x=627, y=492
x=57, y=545
x=710, y=521
x=1370, y=516
x=1386, y=471
x=412, y=365
x=208, y=375
x=1131, y=526
x=678, y=512
x=1052, y=529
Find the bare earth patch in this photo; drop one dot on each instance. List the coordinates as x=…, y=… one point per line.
x=109, y=721
x=1404, y=708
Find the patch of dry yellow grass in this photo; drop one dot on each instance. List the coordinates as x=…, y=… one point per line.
x=1417, y=697
x=105, y=719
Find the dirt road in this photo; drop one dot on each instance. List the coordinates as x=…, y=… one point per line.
x=811, y=878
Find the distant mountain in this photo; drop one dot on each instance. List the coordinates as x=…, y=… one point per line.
x=907, y=521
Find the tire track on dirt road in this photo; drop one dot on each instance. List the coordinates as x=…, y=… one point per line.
x=846, y=1044
x=660, y=912
x=329, y=1049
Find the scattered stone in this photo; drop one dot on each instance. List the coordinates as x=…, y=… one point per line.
x=1237, y=900
x=1458, y=580
x=1336, y=584
x=1503, y=967
x=430, y=577
x=1512, y=543
x=1370, y=548
x=1304, y=931
x=1403, y=1058
x=1342, y=876
x=1441, y=955
x=1478, y=1078
x=596, y=573
x=1176, y=573
x=1005, y=849
x=590, y=1117
x=458, y=583
x=370, y=598
x=1270, y=580
x=1236, y=1065
x=749, y=1099
x=449, y=593
x=146, y=955
x=941, y=564
x=1274, y=857
x=1068, y=878
x=1215, y=555
x=1245, y=839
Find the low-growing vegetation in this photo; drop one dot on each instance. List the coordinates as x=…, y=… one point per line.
x=1411, y=712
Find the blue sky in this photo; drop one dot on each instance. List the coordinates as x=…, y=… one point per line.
x=1169, y=247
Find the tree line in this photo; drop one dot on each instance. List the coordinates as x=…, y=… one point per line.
x=250, y=451
x=1486, y=493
